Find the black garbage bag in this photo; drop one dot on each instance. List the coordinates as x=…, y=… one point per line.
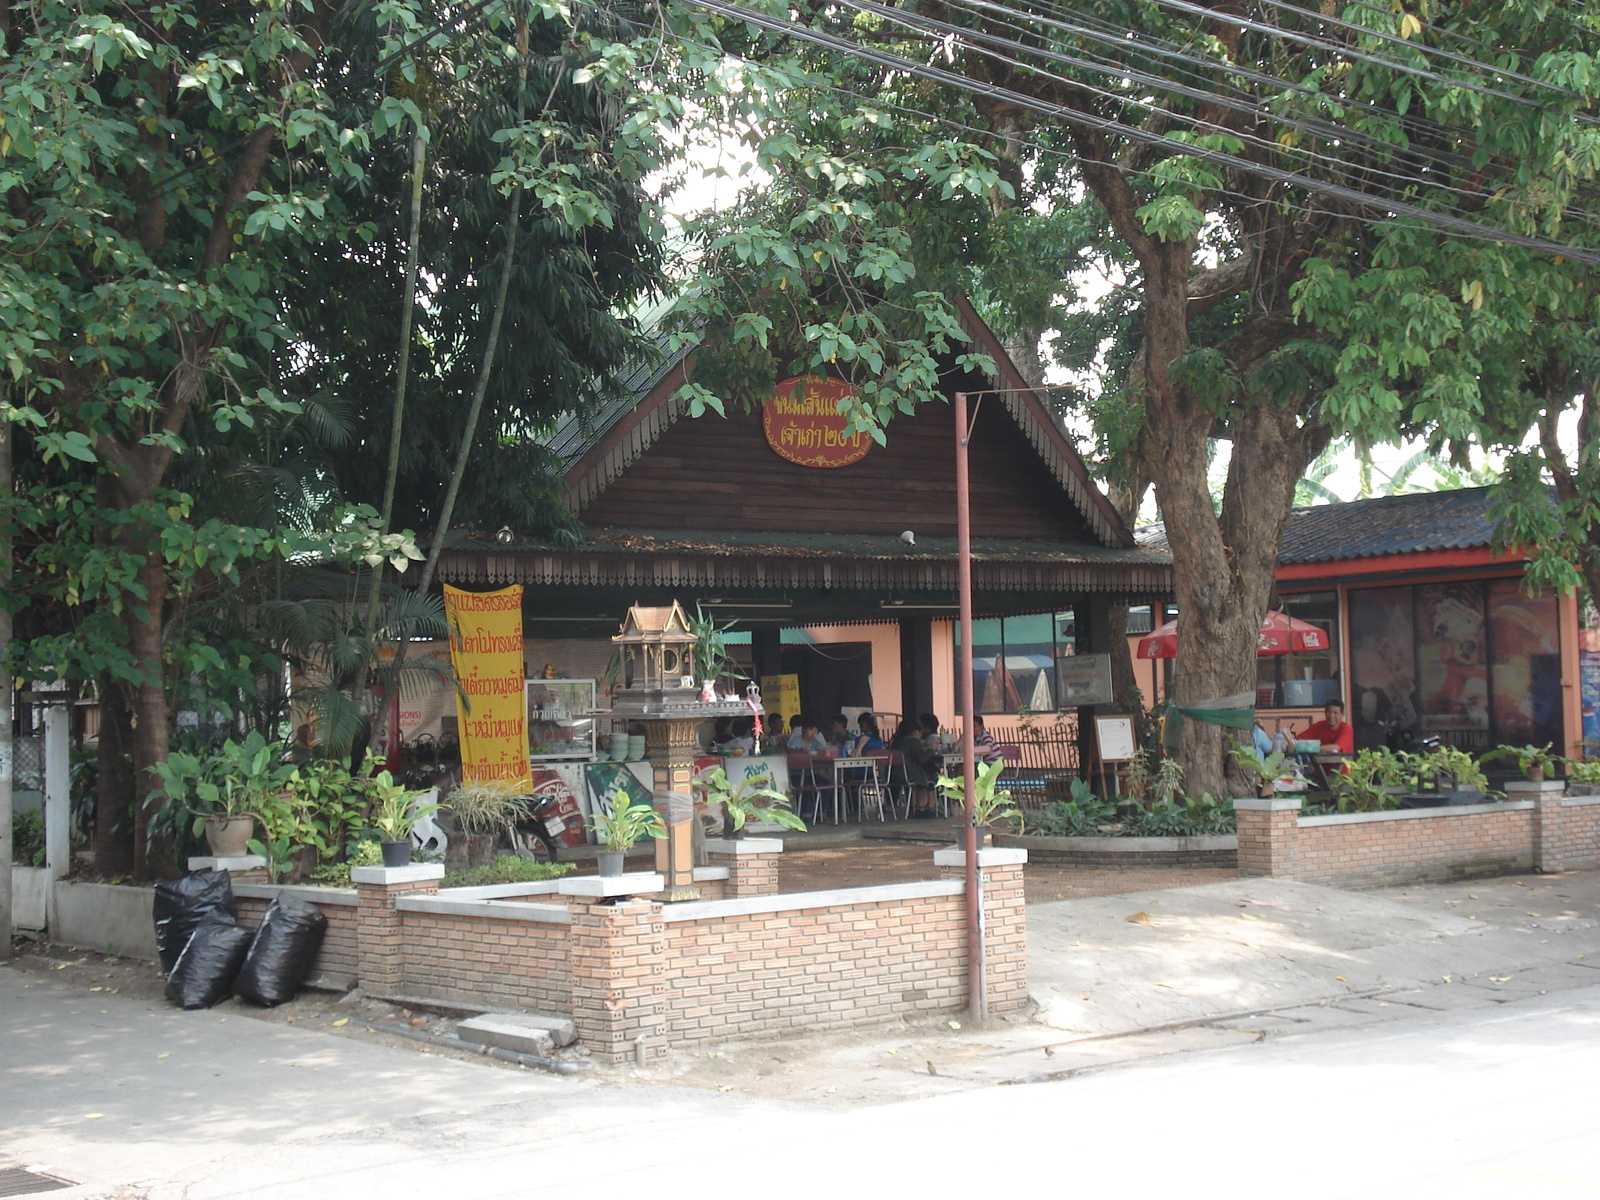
x=281, y=955
x=210, y=962
x=183, y=904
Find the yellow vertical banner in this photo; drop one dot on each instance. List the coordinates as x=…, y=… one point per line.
x=486, y=654
x=781, y=694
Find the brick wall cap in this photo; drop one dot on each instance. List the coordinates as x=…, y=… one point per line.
x=1578, y=801
x=864, y=897
x=1535, y=787
x=1267, y=804
x=707, y=874
x=988, y=856
x=486, y=910
x=242, y=862
x=500, y=891
x=415, y=873
x=312, y=895
x=1416, y=814
x=743, y=846
x=1121, y=845
x=633, y=883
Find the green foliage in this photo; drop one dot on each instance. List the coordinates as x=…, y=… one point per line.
x=508, y=868
x=1529, y=758
x=1168, y=782
x=1453, y=764
x=486, y=807
x=364, y=853
x=750, y=800
x=990, y=802
x=1360, y=787
x=239, y=778
x=392, y=807
x=627, y=823
x=1081, y=816
x=1249, y=759
x=712, y=659
x=27, y=837
x=1181, y=817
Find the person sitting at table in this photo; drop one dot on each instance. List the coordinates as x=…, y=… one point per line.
x=1261, y=739
x=807, y=737
x=743, y=740
x=930, y=726
x=983, y=741
x=1333, y=729
x=921, y=765
x=839, y=731
x=721, y=735
x=868, y=742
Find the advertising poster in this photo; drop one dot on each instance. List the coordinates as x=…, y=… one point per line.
x=1452, y=662
x=1383, y=660
x=1526, y=667
x=608, y=780
x=1589, y=677
x=486, y=653
x=565, y=819
x=781, y=694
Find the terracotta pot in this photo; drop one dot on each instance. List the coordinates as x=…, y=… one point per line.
x=1535, y=774
x=396, y=854
x=229, y=837
x=610, y=862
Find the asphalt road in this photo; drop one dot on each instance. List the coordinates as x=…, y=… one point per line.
x=140, y=1101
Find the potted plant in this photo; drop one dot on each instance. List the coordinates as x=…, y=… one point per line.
x=226, y=791
x=989, y=802
x=749, y=800
x=621, y=830
x=1535, y=762
x=1265, y=770
x=394, y=810
x=482, y=811
x=711, y=657
x=1371, y=781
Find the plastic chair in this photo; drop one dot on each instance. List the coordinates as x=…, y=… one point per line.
x=803, y=780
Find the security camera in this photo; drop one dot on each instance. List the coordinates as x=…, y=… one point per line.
x=909, y=538
x=504, y=536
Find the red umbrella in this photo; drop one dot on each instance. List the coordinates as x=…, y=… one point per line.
x=1280, y=634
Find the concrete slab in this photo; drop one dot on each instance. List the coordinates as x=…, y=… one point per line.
x=526, y=1033
x=506, y=1032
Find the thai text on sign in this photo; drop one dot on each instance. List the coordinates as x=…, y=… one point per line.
x=803, y=423
x=486, y=653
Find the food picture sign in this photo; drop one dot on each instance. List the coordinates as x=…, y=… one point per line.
x=804, y=425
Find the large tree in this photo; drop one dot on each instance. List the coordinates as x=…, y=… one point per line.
x=1226, y=150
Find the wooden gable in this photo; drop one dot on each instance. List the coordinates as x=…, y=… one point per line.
x=656, y=468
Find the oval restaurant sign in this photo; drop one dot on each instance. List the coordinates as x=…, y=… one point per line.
x=803, y=423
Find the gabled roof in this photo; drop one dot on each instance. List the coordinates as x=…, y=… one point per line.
x=600, y=448
x=1385, y=525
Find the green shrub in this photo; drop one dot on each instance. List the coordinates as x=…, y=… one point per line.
x=508, y=868
x=1080, y=816
x=27, y=838
x=1182, y=818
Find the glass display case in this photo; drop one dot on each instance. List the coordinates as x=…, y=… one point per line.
x=559, y=724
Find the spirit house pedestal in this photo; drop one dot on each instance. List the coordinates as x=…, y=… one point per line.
x=658, y=691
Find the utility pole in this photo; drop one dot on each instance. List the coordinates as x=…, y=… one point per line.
x=6, y=687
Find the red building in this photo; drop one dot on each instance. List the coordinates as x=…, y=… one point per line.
x=1431, y=631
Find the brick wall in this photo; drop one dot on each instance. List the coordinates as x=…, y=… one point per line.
x=640, y=977
x=826, y=967
x=500, y=963
x=1377, y=849
x=1550, y=833
x=1569, y=832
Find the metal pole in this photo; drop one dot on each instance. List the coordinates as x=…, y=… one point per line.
x=6, y=688
x=977, y=1001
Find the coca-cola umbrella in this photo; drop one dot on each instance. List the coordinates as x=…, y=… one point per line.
x=1280, y=634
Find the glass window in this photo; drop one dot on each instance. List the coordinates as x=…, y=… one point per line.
x=1474, y=663
x=1013, y=660
x=1308, y=679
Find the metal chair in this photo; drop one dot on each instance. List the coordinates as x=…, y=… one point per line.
x=804, y=781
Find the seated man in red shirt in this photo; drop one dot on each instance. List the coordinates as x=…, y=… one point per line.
x=1333, y=729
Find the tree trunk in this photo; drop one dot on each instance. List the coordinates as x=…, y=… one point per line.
x=113, y=826
x=149, y=718
x=6, y=760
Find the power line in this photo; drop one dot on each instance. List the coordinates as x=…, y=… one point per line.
x=1253, y=108
x=1116, y=128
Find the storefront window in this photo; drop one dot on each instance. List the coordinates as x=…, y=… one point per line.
x=1013, y=660
x=1475, y=663
x=1303, y=680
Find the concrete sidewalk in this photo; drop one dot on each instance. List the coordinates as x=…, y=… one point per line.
x=1121, y=963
